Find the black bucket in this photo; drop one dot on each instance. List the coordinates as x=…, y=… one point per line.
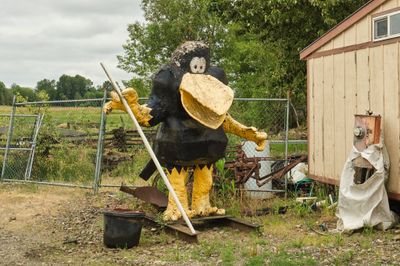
x=122, y=228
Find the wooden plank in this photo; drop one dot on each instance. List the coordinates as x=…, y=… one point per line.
x=362, y=28
x=339, y=115
x=369, y=27
x=177, y=230
x=350, y=83
x=376, y=83
x=391, y=118
x=378, y=14
x=319, y=115
x=338, y=42
x=350, y=36
x=342, y=26
x=327, y=46
x=389, y=5
x=310, y=115
x=363, y=81
x=355, y=47
x=377, y=10
x=328, y=121
x=397, y=167
x=325, y=180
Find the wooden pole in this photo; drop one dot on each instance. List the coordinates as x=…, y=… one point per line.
x=151, y=152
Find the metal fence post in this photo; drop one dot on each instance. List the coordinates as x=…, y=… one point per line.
x=287, y=139
x=9, y=138
x=38, y=124
x=100, y=144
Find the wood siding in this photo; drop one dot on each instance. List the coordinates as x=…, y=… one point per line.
x=351, y=83
x=346, y=83
x=361, y=31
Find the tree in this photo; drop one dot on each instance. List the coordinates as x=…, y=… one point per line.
x=5, y=95
x=142, y=86
x=286, y=27
x=257, y=42
x=169, y=23
x=93, y=93
x=23, y=92
x=105, y=86
x=69, y=88
x=48, y=86
x=42, y=95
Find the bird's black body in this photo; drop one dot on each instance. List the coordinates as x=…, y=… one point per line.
x=180, y=140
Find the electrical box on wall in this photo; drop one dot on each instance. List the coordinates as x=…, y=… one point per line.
x=367, y=131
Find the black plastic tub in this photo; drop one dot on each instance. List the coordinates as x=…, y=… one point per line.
x=122, y=228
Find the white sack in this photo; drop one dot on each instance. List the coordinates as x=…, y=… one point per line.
x=367, y=203
x=299, y=172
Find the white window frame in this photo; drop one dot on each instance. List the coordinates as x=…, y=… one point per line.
x=389, y=36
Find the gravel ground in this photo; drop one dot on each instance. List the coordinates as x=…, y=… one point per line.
x=56, y=226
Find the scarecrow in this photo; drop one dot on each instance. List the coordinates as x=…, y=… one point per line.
x=190, y=100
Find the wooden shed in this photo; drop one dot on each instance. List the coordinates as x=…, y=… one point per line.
x=353, y=68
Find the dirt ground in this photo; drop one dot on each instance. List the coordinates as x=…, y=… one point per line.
x=64, y=226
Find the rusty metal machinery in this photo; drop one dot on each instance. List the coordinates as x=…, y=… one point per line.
x=245, y=168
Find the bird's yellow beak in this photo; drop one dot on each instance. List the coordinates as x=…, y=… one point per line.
x=205, y=99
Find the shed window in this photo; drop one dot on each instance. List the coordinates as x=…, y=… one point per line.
x=381, y=28
x=395, y=24
x=386, y=26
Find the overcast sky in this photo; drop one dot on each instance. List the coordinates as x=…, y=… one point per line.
x=47, y=38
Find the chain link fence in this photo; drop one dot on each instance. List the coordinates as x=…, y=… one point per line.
x=73, y=143
x=61, y=148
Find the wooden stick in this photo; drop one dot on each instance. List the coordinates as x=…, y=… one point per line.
x=151, y=152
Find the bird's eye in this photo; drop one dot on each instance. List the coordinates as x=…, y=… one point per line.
x=198, y=65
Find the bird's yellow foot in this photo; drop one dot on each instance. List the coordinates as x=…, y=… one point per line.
x=178, y=182
x=173, y=214
x=207, y=211
x=201, y=192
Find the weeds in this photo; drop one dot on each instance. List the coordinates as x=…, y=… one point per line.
x=344, y=258
x=160, y=221
x=227, y=255
x=302, y=209
x=286, y=259
x=365, y=243
x=206, y=250
x=226, y=185
x=29, y=188
x=368, y=230
x=298, y=243
x=255, y=261
x=339, y=241
x=174, y=254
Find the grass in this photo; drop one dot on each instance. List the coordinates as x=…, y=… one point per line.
x=253, y=251
x=278, y=149
x=227, y=255
x=295, y=236
x=76, y=163
x=286, y=239
x=288, y=259
x=344, y=258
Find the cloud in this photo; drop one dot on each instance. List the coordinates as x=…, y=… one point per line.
x=46, y=38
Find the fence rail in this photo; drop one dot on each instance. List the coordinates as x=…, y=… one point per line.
x=79, y=146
